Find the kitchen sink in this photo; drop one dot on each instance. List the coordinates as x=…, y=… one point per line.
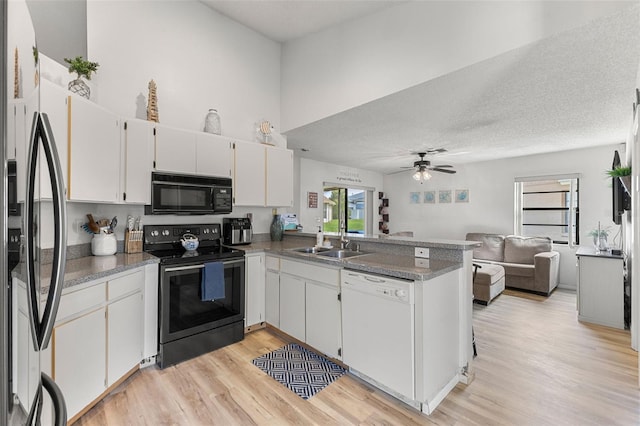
x=311, y=250
x=341, y=254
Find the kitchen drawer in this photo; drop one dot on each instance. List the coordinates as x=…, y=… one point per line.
x=74, y=302
x=126, y=284
x=273, y=263
x=311, y=272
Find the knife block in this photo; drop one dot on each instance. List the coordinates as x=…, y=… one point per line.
x=132, y=241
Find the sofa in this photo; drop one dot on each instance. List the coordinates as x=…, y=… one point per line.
x=529, y=262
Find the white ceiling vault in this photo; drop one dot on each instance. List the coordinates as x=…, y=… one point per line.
x=572, y=90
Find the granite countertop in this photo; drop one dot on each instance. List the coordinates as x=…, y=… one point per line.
x=89, y=268
x=399, y=266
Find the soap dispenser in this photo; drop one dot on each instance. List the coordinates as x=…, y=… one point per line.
x=319, y=237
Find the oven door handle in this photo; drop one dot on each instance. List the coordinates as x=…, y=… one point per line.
x=201, y=266
x=183, y=268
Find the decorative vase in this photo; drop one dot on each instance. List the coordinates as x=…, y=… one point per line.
x=277, y=228
x=79, y=87
x=600, y=243
x=212, y=122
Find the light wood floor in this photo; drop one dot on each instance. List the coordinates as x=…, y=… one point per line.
x=537, y=365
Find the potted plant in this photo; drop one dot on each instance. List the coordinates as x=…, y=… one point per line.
x=600, y=236
x=624, y=174
x=83, y=68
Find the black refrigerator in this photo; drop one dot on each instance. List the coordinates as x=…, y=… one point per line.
x=30, y=293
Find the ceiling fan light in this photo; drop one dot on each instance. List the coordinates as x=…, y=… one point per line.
x=426, y=175
x=417, y=175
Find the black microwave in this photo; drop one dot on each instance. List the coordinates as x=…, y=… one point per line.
x=173, y=193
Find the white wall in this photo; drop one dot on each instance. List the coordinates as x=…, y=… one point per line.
x=314, y=174
x=405, y=45
x=198, y=58
x=491, y=198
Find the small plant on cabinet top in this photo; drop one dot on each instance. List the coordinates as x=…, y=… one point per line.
x=82, y=67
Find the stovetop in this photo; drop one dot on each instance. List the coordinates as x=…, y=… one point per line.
x=164, y=242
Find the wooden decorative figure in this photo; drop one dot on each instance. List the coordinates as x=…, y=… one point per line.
x=152, y=108
x=16, y=80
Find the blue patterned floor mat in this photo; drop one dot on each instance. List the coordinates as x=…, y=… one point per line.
x=305, y=373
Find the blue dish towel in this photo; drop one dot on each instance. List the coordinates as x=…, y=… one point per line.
x=212, y=285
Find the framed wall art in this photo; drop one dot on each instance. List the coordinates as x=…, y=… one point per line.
x=462, y=195
x=444, y=196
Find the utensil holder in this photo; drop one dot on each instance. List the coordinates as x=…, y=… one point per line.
x=132, y=241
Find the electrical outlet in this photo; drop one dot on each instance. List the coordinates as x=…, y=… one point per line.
x=422, y=252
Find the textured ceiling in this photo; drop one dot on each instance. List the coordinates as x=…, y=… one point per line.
x=568, y=91
x=290, y=19
x=571, y=90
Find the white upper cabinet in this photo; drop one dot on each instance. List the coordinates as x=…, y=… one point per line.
x=137, y=161
x=263, y=175
x=94, y=152
x=249, y=174
x=279, y=177
x=54, y=103
x=214, y=155
x=175, y=150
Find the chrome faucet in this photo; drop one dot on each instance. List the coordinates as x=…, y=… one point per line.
x=343, y=241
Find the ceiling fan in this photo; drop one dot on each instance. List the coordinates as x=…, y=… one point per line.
x=423, y=167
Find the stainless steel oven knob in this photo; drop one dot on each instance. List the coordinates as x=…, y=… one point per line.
x=154, y=233
x=165, y=232
x=206, y=230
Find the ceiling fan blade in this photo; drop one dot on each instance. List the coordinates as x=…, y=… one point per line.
x=437, y=169
x=442, y=165
x=406, y=169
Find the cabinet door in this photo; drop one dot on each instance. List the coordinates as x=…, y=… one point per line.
x=175, y=150
x=279, y=177
x=324, y=328
x=249, y=174
x=94, y=157
x=125, y=325
x=254, y=290
x=137, y=159
x=12, y=117
x=292, y=306
x=272, y=298
x=54, y=102
x=214, y=155
x=601, y=291
x=80, y=359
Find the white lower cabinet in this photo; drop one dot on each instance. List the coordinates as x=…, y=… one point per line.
x=292, y=306
x=98, y=337
x=310, y=306
x=272, y=291
x=323, y=330
x=254, y=289
x=125, y=336
x=80, y=359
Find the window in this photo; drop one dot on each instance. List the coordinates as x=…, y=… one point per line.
x=548, y=206
x=352, y=203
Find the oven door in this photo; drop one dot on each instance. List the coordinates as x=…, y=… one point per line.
x=179, y=198
x=183, y=313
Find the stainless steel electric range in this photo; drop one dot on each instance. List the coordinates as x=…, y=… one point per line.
x=188, y=325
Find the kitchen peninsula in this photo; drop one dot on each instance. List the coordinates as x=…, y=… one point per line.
x=307, y=296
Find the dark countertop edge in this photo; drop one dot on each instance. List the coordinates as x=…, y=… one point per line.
x=435, y=243
x=591, y=252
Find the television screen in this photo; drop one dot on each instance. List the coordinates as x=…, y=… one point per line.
x=620, y=199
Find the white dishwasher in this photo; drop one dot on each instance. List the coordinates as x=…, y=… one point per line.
x=378, y=331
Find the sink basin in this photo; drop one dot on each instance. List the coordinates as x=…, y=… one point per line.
x=311, y=250
x=341, y=254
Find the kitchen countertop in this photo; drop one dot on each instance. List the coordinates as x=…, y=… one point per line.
x=85, y=269
x=399, y=266
x=591, y=251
